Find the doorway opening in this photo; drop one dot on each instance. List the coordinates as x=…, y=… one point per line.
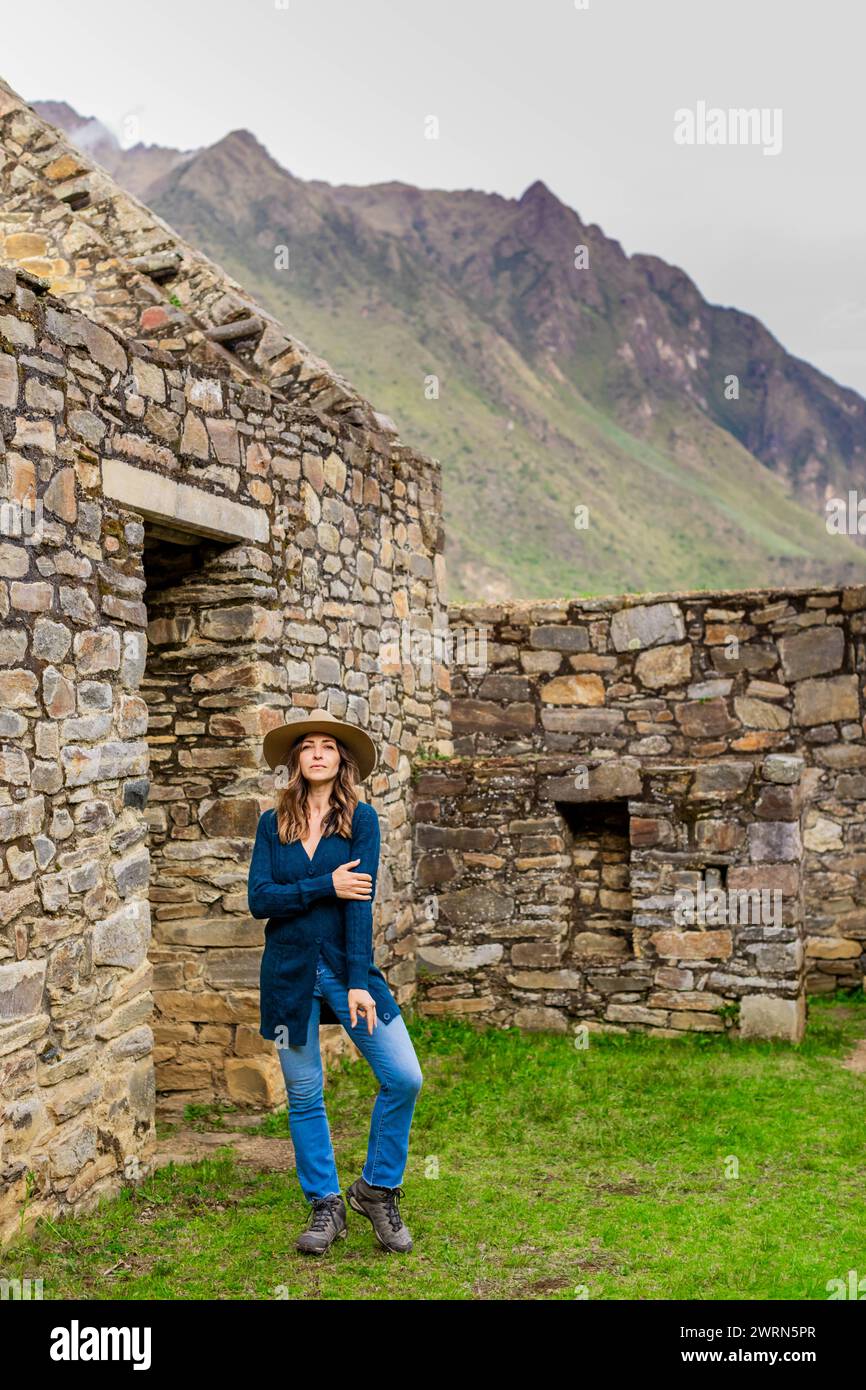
x=211, y=674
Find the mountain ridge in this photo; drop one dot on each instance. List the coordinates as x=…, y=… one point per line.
x=561, y=386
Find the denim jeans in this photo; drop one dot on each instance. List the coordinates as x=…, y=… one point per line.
x=391, y=1055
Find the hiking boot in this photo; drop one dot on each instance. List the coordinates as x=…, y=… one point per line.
x=379, y=1205
x=327, y=1221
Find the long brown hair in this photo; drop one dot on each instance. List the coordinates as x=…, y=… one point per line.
x=291, y=800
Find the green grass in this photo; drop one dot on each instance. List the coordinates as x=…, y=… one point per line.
x=536, y=1170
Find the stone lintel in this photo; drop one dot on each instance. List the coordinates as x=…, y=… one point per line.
x=607, y=781
x=162, y=499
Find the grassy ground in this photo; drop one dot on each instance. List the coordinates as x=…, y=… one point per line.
x=637, y=1168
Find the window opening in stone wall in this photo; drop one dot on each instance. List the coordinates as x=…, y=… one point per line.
x=597, y=841
x=170, y=556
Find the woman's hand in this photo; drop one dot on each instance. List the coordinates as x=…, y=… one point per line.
x=349, y=885
x=360, y=1002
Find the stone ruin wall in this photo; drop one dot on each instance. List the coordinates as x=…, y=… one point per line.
x=137, y=678
x=538, y=923
x=228, y=527
x=64, y=219
x=728, y=729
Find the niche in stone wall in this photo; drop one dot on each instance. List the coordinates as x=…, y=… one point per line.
x=596, y=835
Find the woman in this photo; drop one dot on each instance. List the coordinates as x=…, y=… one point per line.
x=313, y=876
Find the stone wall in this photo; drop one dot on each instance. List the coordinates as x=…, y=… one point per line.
x=542, y=915
x=203, y=528
x=63, y=218
x=200, y=557
x=643, y=683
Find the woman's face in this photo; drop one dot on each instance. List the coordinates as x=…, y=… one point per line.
x=319, y=758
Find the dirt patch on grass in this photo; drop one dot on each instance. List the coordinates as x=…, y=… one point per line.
x=856, y=1060
x=252, y=1150
x=542, y=1286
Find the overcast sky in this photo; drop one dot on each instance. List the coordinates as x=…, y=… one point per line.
x=581, y=98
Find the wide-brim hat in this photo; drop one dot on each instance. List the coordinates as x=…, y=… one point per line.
x=278, y=742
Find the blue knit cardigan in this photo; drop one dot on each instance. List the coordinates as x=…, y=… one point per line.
x=305, y=918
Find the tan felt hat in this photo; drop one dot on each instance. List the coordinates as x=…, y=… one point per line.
x=277, y=743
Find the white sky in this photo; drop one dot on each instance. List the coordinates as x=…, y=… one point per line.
x=523, y=89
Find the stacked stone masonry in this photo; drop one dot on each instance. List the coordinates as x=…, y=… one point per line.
x=727, y=730
x=205, y=527
x=64, y=219
x=184, y=558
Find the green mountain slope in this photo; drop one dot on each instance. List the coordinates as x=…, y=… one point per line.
x=544, y=388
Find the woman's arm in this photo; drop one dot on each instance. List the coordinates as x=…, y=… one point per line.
x=359, y=913
x=265, y=896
